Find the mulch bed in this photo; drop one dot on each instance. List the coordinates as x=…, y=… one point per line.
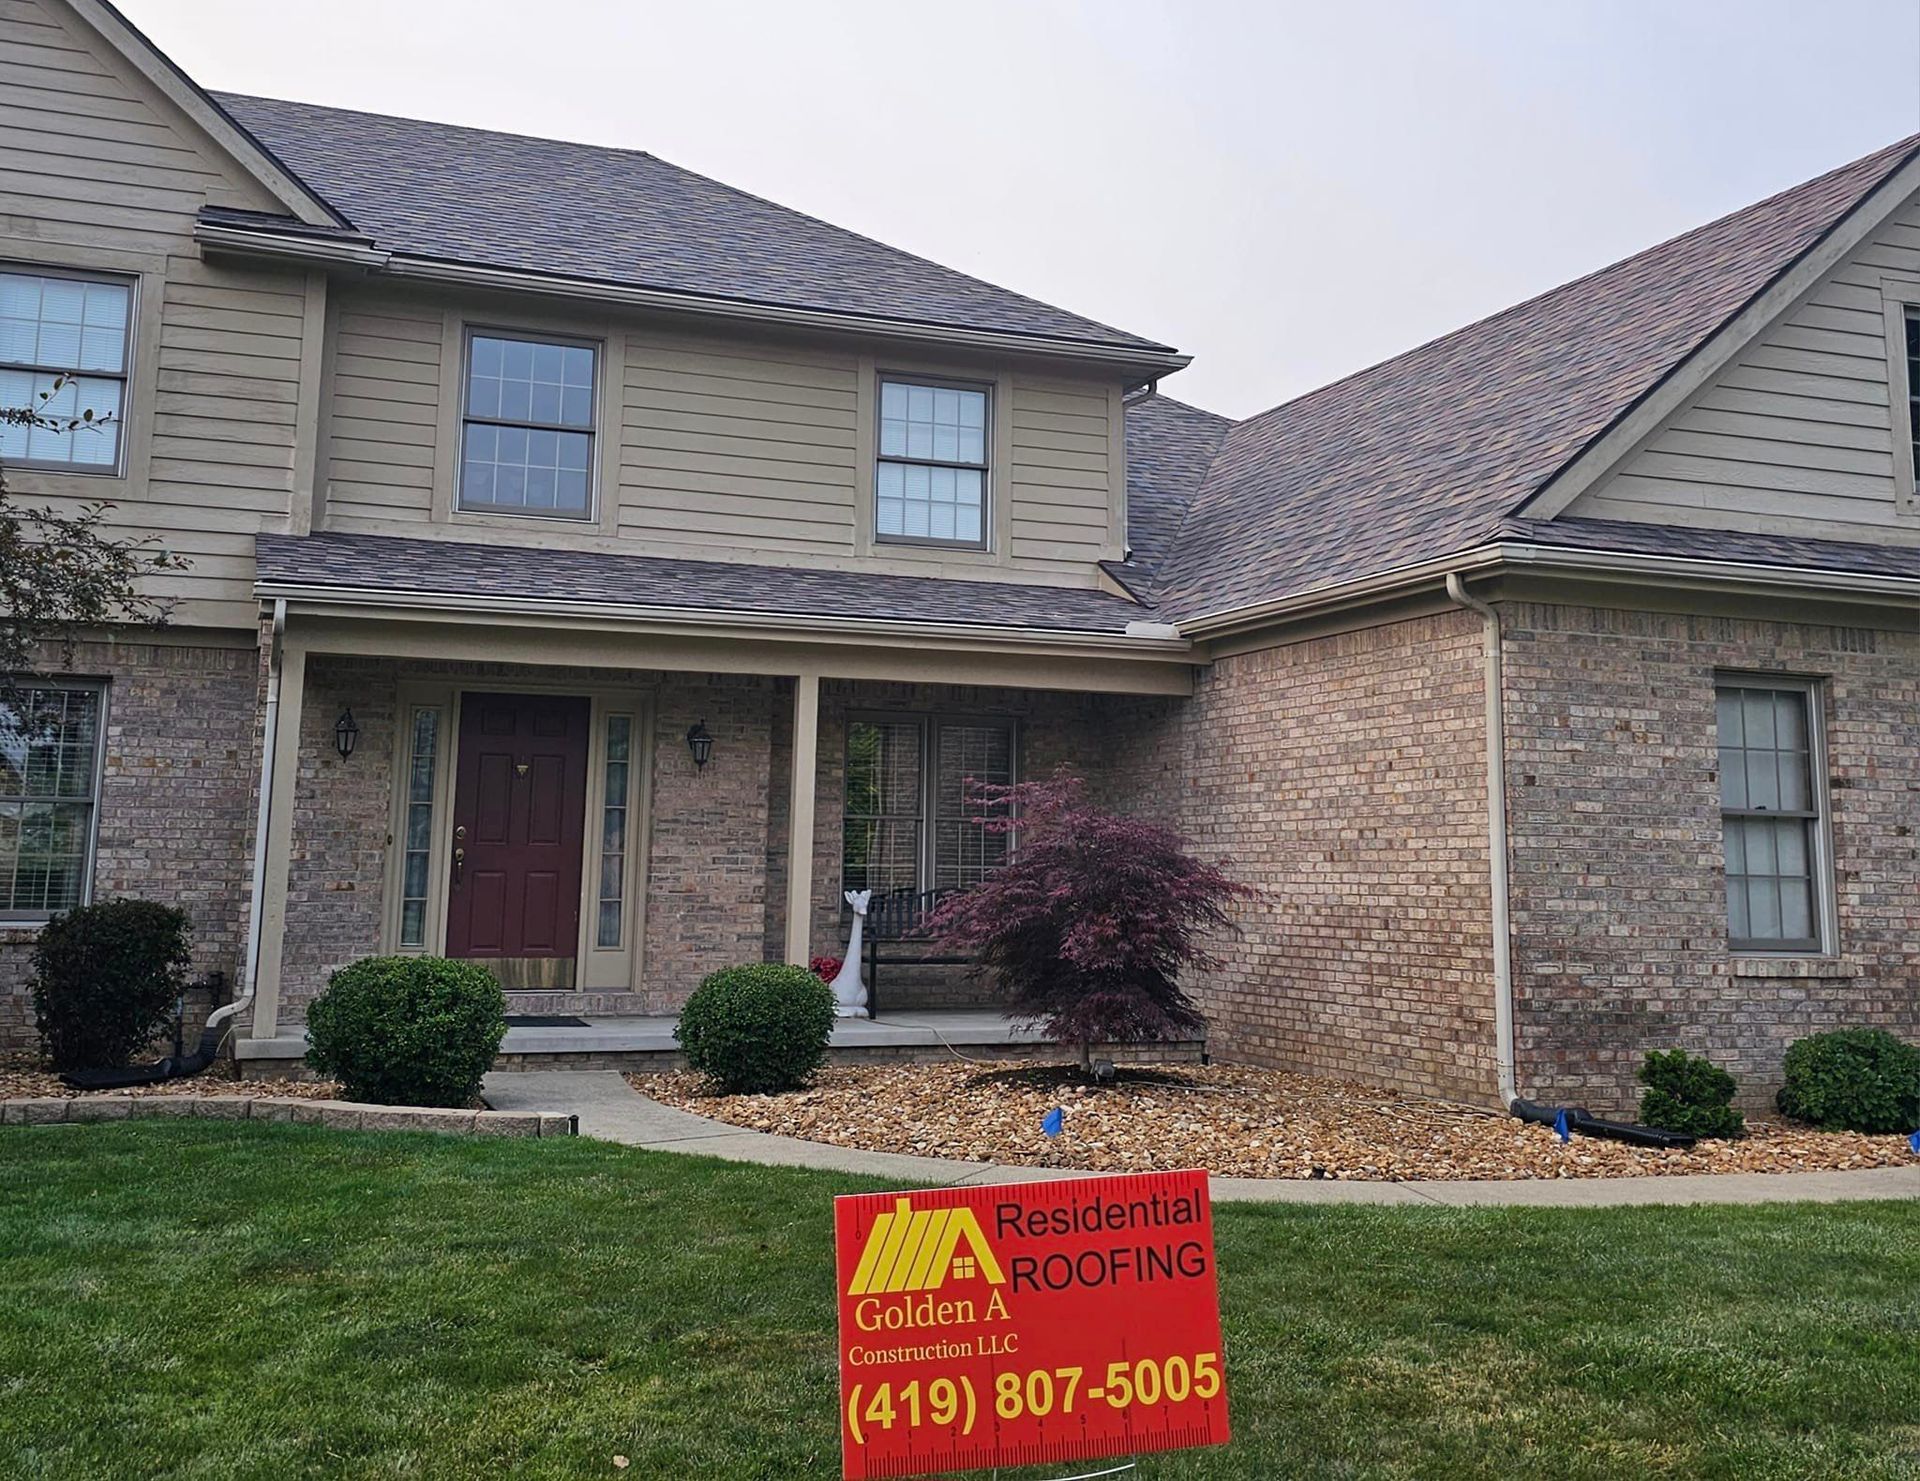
x=1234, y=1121
x=22, y=1076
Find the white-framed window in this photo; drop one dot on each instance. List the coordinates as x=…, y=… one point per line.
x=51, y=736
x=930, y=470
x=416, y=822
x=527, y=429
x=1772, y=786
x=616, y=817
x=74, y=331
x=907, y=824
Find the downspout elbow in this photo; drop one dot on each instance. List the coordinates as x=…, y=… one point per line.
x=1497, y=840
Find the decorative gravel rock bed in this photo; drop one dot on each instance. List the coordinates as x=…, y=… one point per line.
x=1237, y=1122
x=21, y=1076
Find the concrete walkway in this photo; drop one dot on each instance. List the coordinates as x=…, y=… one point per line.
x=613, y=1111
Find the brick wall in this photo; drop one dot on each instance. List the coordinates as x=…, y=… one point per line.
x=176, y=800
x=1619, y=892
x=1344, y=777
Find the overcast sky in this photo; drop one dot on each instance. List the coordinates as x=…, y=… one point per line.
x=1288, y=191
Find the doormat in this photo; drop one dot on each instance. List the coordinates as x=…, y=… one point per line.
x=544, y=1020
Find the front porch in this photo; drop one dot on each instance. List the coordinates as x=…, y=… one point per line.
x=603, y=817
x=643, y=1042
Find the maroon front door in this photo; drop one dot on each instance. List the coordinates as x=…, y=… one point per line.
x=519, y=815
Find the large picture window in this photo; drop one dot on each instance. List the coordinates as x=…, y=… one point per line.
x=49, y=790
x=1770, y=805
x=527, y=439
x=907, y=825
x=77, y=333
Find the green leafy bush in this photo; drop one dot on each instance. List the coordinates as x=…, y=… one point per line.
x=107, y=979
x=1688, y=1094
x=1853, y=1079
x=408, y=1030
x=757, y=1029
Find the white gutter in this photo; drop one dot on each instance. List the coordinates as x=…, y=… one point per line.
x=269, y=743
x=1157, y=641
x=223, y=237
x=1671, y=567
x=1496, y=836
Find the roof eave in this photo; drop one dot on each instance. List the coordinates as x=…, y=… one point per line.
x=1495, y=555
x=362, y=253
x=389, y=601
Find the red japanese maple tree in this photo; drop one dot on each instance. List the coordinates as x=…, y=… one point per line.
x=1092, y=920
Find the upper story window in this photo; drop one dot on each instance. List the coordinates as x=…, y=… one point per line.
x=526, y=445
x=1912, y=316
x=931, y=472
x=49, y=784
x=55, y=324
x=1770, y=814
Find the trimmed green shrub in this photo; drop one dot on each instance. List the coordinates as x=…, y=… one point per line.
x=1688, y=1094
x=107, y=981
x=757, y=1029
x=1853, y=1079
x=407, y=1030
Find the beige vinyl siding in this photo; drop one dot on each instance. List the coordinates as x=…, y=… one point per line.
x=100, y=173
x=1796, y=436
x=1059, y=481
x=724, y=446
x=383, y=412
x=716, y=446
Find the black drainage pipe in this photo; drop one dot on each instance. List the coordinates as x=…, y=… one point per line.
x=1583, y=1121
x=173, y=1067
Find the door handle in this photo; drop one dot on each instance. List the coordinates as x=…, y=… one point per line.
x=459, y=863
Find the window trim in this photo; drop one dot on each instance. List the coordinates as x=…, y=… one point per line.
x=15, y=919
x=463, y=418
x=988, y=432
x=129, y=340
x=1820, y=868
x=930, y=723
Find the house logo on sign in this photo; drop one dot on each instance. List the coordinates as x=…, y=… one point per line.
x=913, y=1249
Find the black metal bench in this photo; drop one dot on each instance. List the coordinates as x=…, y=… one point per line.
x=896, y=921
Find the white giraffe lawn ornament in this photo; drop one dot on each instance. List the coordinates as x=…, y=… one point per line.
x=849, y=990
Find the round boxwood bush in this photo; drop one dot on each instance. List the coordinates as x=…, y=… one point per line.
x=757, y=1029
x=1853, y=1079
x=107, y=980
x=407, y=1030
x=1688, y=1094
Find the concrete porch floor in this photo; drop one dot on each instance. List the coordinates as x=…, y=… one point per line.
x=930, y=1028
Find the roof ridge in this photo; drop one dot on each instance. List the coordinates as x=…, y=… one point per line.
x=1900, y=148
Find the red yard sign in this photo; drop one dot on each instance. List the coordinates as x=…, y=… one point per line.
x=1034, y=1322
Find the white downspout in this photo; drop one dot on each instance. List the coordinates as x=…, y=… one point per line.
x=269, y=744
x=1496, y=836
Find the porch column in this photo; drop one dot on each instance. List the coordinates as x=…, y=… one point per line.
x=279, y=841
x=806, y=751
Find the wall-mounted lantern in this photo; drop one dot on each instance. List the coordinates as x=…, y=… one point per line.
x=700, y=742
x=346, y=734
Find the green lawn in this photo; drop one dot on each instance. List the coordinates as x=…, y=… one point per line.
x=198, y=1299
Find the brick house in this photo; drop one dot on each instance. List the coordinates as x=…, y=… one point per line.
x=594, y=570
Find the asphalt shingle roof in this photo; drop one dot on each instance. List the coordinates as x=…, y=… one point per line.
x=396, y=566
x=620, y=216
x=1170, y=445
x=1688, y=543
x=1427, y=453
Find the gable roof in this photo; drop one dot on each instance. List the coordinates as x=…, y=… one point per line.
x=463, y=195
x=1427, y=453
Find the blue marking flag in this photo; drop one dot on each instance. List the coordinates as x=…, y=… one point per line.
x=1054, y=1122
x=1560, y=1127
x=1914, y=1142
